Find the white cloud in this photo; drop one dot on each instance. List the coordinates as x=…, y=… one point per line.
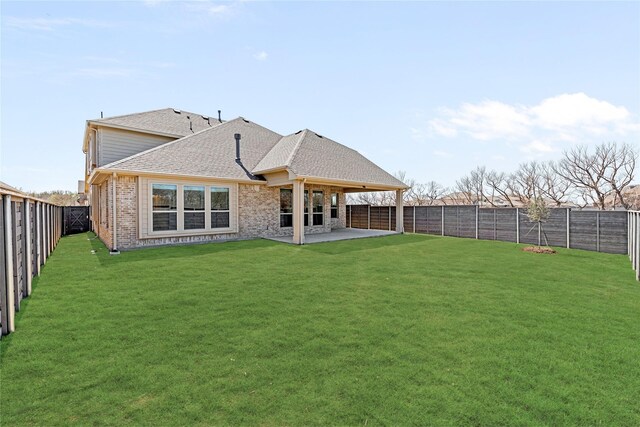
x=50, y=24
x=537, y=147
x=104, y=72
x=537, y=129
x=218, y=9
x=568, y=110
x=441, y=153
x=261, y=56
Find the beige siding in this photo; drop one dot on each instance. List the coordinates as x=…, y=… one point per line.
x=117, y=144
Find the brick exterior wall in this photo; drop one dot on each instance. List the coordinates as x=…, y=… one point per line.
x=258, y=215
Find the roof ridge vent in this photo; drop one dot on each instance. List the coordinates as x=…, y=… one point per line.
x=319, y=136
x=245, y=120
x=298, y=132
x=175, y=110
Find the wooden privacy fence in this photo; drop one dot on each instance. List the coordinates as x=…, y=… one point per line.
x=602, y=231
x=29, y=231
x=634, y=240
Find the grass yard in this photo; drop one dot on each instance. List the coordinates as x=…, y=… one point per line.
x=397, y=330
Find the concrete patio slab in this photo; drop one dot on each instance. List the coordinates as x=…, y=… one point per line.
x=334, y=235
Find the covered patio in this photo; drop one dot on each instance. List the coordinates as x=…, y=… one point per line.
x=336, y=234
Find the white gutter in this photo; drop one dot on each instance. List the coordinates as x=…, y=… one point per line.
x=114, y=232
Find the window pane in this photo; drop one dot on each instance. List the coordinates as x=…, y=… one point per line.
x=164, y=197
x=306, y=201
x=318, y=202
x=306, y=219
x=286, y=220
x=165, y=221
x=334, y=205
x=193, y=198
x=286, y=202
x=219, y=219
x=219, y=199
x=317, y=219
x=193, y=220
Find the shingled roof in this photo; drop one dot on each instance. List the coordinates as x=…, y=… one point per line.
x=168, y=121
x=210, y=153
x=309, y=154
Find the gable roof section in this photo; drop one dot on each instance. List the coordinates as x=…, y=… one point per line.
x=308, y=154
x=167, y=121
x=210, y=153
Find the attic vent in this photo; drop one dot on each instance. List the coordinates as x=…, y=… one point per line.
x=298, y=132
x=189, y=117
x=176, y=111
x=319, y=136
x=205, y=117
x=245, y=120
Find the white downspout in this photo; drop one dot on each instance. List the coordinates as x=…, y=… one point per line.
x=114, y=231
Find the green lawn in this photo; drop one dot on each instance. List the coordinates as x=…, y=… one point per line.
x=396, y=330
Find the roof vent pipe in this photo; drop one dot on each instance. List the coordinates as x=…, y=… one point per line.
x=237, y=137
x=220, y=115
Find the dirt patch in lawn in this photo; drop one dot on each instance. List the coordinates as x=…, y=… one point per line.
x=539, y=250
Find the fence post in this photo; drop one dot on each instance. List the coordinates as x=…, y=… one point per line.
x=517, y=225
x=368, y=217
x=597, y=231
x=414, y=219
x=8, y=294
x=26, y=231
x=442, y=221
x=477, y=213
x=568, y=228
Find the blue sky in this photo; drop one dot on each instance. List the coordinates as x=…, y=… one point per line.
x=434, y=89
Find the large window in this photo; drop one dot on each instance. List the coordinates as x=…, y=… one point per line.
x=286, y=208
x=187, y=209
x=334, y=205
x=318, y=208
x=165, y=207
x=219, y=207
x=194, y=207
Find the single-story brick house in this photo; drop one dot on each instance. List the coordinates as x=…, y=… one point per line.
x=169, y=177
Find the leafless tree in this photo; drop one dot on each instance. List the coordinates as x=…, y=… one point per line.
x=553, y=187
x=500, y=183
x=472, y=186
x=426, y=194
x=606, y=172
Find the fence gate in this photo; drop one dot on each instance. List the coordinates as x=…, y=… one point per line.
x=76, y=219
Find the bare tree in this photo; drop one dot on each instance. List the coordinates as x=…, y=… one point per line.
x=554, y=187
x=597, y=175
x=427, y=194
x=499, y=183
x=472, y=186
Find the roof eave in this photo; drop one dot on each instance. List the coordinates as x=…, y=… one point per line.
x=110, y=171
x=367, y=186
x=134, y=129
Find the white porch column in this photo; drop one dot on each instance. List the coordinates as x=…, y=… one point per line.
x=298, y=212
x=399, y=212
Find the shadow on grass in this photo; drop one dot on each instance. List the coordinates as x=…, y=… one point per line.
x=356, y=245
x=173, y=251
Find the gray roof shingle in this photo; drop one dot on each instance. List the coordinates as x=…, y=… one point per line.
x=209, y=153
x=308, y=154
x=167, y=121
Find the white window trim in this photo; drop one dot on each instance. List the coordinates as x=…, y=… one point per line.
x=233, y=209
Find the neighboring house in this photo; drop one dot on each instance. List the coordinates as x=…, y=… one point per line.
x=170, y=177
